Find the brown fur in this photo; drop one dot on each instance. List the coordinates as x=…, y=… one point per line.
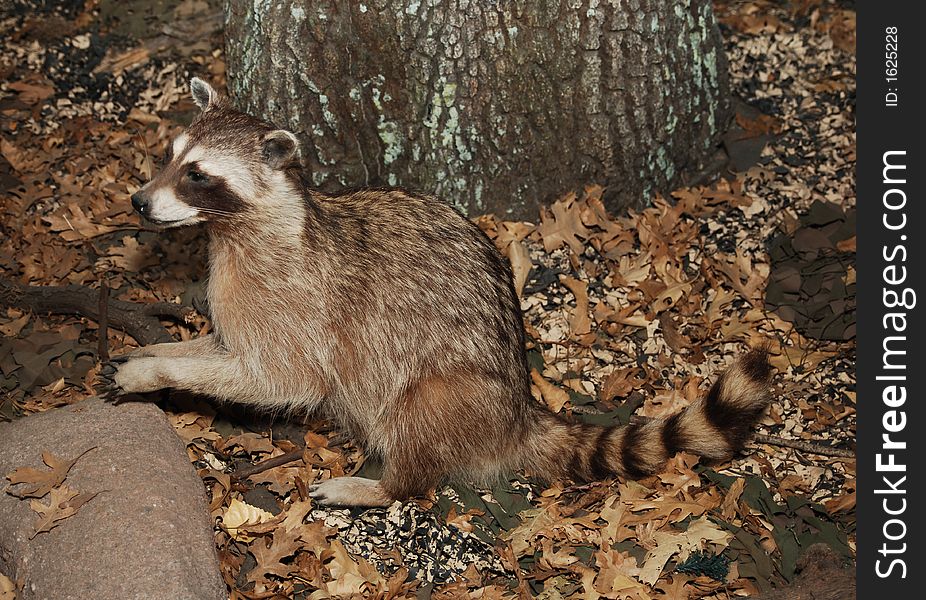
x=396, y=316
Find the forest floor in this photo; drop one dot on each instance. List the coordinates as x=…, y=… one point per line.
x=625, y=314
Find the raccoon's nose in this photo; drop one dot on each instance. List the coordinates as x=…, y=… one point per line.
x=139, y=203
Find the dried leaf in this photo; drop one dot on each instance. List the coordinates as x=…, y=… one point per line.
x=553, y=396
x=669, y=544
x=731, y=501
x=13, y=155
x=7, y=588
x=350, y=578
x=620, y=383
x=36, y=483
x=30, y=93
x=270, y=557
x=521, y=265
x=579, y=323
x=522, y=537
x=562, y=224
x=63, y=503
x=12, y=328
x=240, y=515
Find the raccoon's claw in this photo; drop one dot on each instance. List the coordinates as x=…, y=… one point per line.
x=118, y=360
x=111, y=391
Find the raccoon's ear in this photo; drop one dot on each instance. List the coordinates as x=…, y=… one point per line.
x=203, y=94
x=280, y=148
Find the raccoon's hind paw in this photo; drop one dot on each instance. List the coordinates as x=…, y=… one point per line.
x=349, y=491
x=111, y=391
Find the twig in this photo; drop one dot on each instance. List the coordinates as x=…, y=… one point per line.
x=270, y=463
x=804, y=446
x=103, y=332
x=138, y=320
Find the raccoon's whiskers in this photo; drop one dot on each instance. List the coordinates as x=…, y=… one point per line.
x=215, y=211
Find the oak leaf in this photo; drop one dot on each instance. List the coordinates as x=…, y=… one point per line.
x=239, y=515
x=668, y=544
x=35, y=482
x=270, y=557
x=63, y=502
x=562, y=224
x=580, y=323
x=553, y=396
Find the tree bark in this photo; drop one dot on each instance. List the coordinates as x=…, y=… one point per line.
x=492, y=106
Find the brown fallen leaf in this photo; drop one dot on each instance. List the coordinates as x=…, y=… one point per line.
x=63, y=503
x=129, y=256
x=13, y=155
x=729, y=508
x=620, y=383
x=250, y=442
x=117, y=62
x=270, y=557
x=674, y=339
x=553, y=396
x=667, y=544
x=30, y=93
x=520, y=265
x=73, y=224
x=7, y=588
x=844, y=503
x=580, y=323
x=350, y=578
x=36, y=483
x=562, y=224
x=616, y=573
x=241, y=516
x=12, y=328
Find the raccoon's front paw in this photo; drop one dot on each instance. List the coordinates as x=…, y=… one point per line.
x=129, y=376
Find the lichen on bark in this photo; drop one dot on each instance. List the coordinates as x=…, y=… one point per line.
x=493, y=106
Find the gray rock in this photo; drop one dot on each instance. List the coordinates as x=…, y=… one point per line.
x=146, y=535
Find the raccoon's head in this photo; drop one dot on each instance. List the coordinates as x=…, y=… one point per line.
x=223, y=167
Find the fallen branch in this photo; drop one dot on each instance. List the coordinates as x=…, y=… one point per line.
x=138, y=320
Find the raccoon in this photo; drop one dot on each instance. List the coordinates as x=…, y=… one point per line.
x=390, y=312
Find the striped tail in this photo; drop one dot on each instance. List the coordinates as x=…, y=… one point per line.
x=715, y=427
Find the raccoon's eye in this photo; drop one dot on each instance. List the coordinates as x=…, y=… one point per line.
x=196, y=177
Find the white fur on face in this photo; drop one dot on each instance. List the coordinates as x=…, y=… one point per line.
x=236, y=173
x=166, y=209
x=194, y=154
x=179, y=144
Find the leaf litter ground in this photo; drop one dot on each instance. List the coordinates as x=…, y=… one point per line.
x=625, y=315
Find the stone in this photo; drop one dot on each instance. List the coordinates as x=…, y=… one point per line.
x=147, y=534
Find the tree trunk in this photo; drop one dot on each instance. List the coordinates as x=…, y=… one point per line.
x=492, y=106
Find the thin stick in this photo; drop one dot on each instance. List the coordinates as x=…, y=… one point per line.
x=804, y=446
x=103, y=333
x=270, y=463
